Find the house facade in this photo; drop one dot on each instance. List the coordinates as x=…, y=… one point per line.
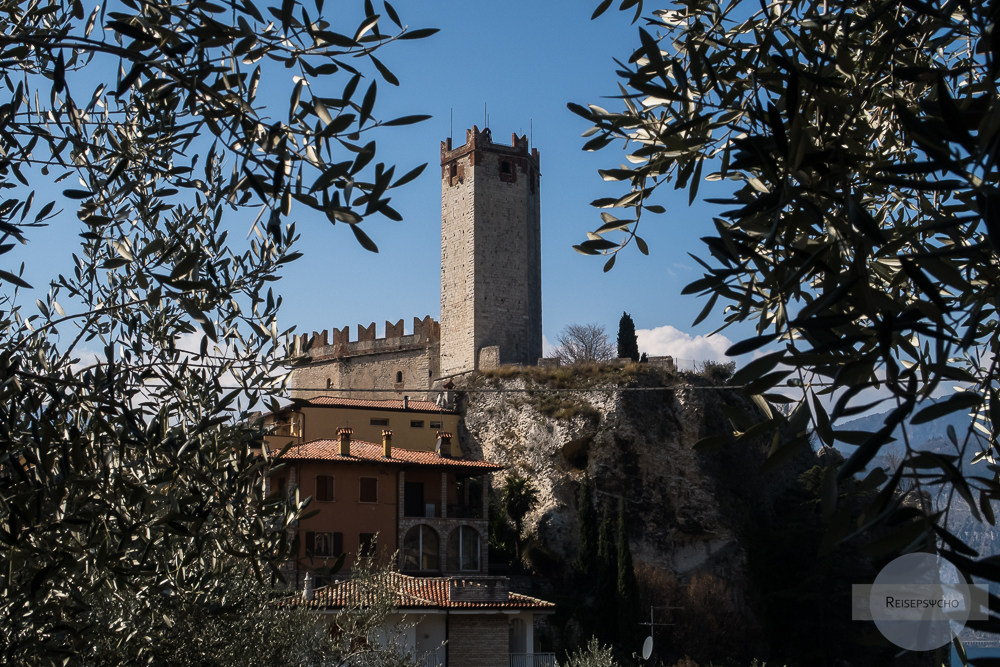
x=427, y=507
x=413, y=422
x=453, y=621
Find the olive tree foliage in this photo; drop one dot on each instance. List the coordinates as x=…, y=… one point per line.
x=593, y=655
x=151, y=129
x=239, y=623
x=856, y=143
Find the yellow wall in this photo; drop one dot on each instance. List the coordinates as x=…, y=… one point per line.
x=322, y=422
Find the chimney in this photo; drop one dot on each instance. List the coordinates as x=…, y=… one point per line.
x=345, y=440
x=443, y=447
x=387, y=443
x=406, y=402
x=307, y=588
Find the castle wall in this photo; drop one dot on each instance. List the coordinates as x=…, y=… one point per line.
x=386, y=367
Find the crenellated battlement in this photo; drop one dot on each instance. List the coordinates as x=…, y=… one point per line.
x=477, y=141
x=319, y=345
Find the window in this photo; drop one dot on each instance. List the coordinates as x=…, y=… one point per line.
x=507, y=173
x=366, y=544
x=463, y=549
x=369, y=490
x=324, y=545
x=417, y=423
x=420, y=549
x=378, y=422
x=435, y=424
x=324, y=487
x=399, y=376
x=413, y=499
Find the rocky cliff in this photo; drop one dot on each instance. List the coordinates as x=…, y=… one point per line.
x=632, y=429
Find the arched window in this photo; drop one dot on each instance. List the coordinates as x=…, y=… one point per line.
x=420, y=549
x=399, y=376
x=329, y=383
x=463, y=549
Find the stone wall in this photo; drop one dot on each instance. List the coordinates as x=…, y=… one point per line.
x=478, y=640
x=377, y=371
x=383, y=367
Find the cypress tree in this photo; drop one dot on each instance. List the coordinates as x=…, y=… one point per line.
x=628, y=342
x=586, y=554
x=606, y=576
x=627, y=588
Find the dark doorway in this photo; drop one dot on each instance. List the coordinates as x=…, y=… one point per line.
x=413, y=499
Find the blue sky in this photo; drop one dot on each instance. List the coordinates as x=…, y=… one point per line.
x=521, y=61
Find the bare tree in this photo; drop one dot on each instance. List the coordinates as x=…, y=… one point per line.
x=582, y=343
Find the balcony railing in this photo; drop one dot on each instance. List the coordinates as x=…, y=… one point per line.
x=432, y=658
x=533, y=660
x=465, y=512
x=433, y=511
x=291, y=430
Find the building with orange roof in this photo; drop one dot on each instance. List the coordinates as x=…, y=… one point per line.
x=428, y=506
x=414, y=423
x=452, y=621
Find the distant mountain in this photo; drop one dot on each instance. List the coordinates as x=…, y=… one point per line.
x=931, y=436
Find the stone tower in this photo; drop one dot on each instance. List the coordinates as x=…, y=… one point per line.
x=491, y=287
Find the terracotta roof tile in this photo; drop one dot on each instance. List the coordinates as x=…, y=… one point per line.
x=326, y=449
x=420, y=593
x=390, y=404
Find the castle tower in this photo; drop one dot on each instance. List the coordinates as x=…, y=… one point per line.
x=491, y=287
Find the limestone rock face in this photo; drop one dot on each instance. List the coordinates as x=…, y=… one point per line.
x=635, y=440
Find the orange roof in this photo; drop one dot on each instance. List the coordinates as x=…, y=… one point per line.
x=423, y=593
x=387, y=404
x=326, y=449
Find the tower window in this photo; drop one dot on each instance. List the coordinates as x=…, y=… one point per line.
x=453, y=174
x=507, y=172
x=399, y=376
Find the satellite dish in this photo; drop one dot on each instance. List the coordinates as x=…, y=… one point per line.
x=647, y=648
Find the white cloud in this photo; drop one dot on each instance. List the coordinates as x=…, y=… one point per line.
x=671, y=341
x=548, y=349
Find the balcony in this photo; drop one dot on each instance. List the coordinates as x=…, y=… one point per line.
x=474, y=511
x=437, y=659
x=533, y=660
x=434, y=658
